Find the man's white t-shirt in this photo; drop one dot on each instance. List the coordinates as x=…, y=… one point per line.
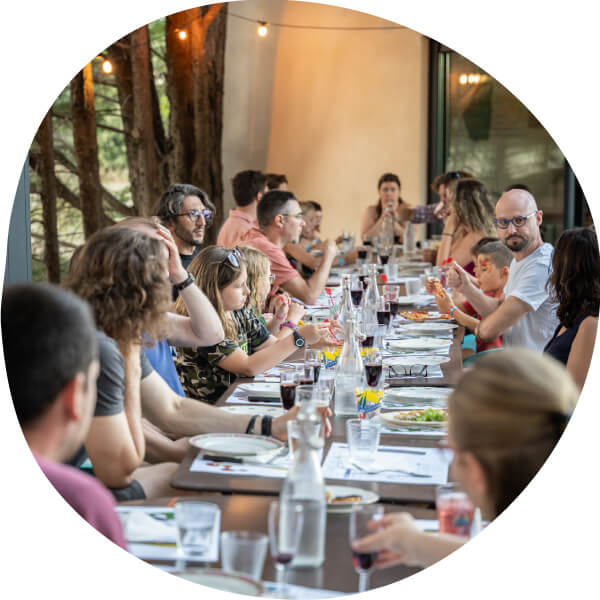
x=527, y=282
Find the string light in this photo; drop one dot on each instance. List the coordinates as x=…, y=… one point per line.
x=462, y=79
x=182, y=34
x=107, y=66
x=262, y=29
x=472, y=78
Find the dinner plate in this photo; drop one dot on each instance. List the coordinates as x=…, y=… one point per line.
x=417, y=394
x=395, y=418
x=412, y=360
x=366, y=497
x=427, y=327
x=227, y=582
x=416, y=299
x=423, y=343
x=250, y=409
x=263, y=389
x=236, y=444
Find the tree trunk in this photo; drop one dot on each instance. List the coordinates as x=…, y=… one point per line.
x=179, y=89
x=86, y=150
x=48, y=195
x=208, y=61
x=146, y=159
x=195, y=71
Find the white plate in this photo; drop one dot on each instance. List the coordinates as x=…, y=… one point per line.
x=424, y=343
x=236, y=444
x=417, y=299
x=228, y=582
x=417, y=394
x=427, y=327
x=411, y=360
x=391, y=418
x=366, y=497
x=250, y=409
x=265, y=389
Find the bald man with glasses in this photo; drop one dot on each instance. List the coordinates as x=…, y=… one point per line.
x=526, y=316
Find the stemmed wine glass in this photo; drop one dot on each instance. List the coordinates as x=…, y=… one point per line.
x=363, y=562
x=285, y=528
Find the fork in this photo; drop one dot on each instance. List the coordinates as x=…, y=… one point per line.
x=377, y=471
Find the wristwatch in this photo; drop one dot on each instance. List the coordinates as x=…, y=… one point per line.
x=185, y=283
x=298, y=339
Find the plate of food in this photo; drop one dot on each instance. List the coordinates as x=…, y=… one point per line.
x=238, y=445
x=421, y=316
x=262, y=389
x=423, y=343
x=423, y=417
x=343, y=498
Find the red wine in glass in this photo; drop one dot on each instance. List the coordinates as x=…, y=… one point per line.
x=364, y=561
x=394, y=307
x=356, y=296
x=373, y=372
x=283, y=559
x=316, y=369
x=384, y=259
x=306, y=381
x=288, y=394
x=368, y=341
x=363, y=280
x=383, y=317
x=362, y=254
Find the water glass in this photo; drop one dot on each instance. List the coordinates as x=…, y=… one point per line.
x=413, y=286
x=195, y=527
x=391, y=271
x=304, y=396
x=454, y=510
x=293, y=432
x=244, y=552
x=362, y=437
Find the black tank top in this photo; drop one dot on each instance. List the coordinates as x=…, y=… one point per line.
x=559, y=346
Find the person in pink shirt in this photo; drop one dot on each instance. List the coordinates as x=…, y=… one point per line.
x=248, y=189
x=52, y=365
x=280, y=222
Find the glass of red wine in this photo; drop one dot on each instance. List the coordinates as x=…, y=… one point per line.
x=312, y=360
x=373, y=367
x=287, y=388
x=383, y=312
x=364, y=562
x=285, y=526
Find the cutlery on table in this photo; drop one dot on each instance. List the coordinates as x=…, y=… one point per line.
x=377, y=471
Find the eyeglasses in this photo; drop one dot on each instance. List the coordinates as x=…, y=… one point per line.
x=299, y=215
x=194, y=215
x=518, y=221
x=408, y=370
x=234, y=258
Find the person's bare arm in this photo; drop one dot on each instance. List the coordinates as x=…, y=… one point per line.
x=115, y=444
x=181, y=416
x=370, y=223
x=582, y=348
x=505, y=316
x=160, y=448
x=302, y=256
x=310, y=289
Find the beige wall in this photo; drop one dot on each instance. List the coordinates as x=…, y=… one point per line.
x=343, y=107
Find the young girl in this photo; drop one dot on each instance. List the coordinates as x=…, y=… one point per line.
x=504, y=419
x=259, y=281
x=248, y=348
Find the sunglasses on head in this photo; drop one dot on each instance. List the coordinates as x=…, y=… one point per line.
x=234, y=258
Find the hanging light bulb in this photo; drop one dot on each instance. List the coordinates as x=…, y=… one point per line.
x=107, y=66
x=182, y=34
x=462, y=79
x=262, y=29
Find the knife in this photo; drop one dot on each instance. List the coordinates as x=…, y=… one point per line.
x=265, y=399
x=241, y=461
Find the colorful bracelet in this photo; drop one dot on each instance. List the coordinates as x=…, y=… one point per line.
x=278, y=318
x=451, y=311
x=289, y=324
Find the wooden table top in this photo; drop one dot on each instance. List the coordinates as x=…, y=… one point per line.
x=336, y=573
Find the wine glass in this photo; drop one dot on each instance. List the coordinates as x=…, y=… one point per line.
x=285, y=527
x=364, y=562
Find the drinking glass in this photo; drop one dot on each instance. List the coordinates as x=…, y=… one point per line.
x=195, y=527
x=454, y=510
x=293, y=432
x=364, y=562
x=373, y=362
x=312, y=359
x=383, y=312
x=362, y=437
x=287, y=388
x=356, y=290
x=243, y=552
x=413, y=286
x=304, y=395
x=391, y=271
x=284, y=526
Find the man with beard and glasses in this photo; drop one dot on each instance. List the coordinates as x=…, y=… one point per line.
x=187, y=212
x=526, y=317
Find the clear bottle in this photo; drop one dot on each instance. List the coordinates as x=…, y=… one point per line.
x=370, y=300
x=386, y=239
x=346, y=307
x=349, y=373
x=305, y=485
x=410, y=244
